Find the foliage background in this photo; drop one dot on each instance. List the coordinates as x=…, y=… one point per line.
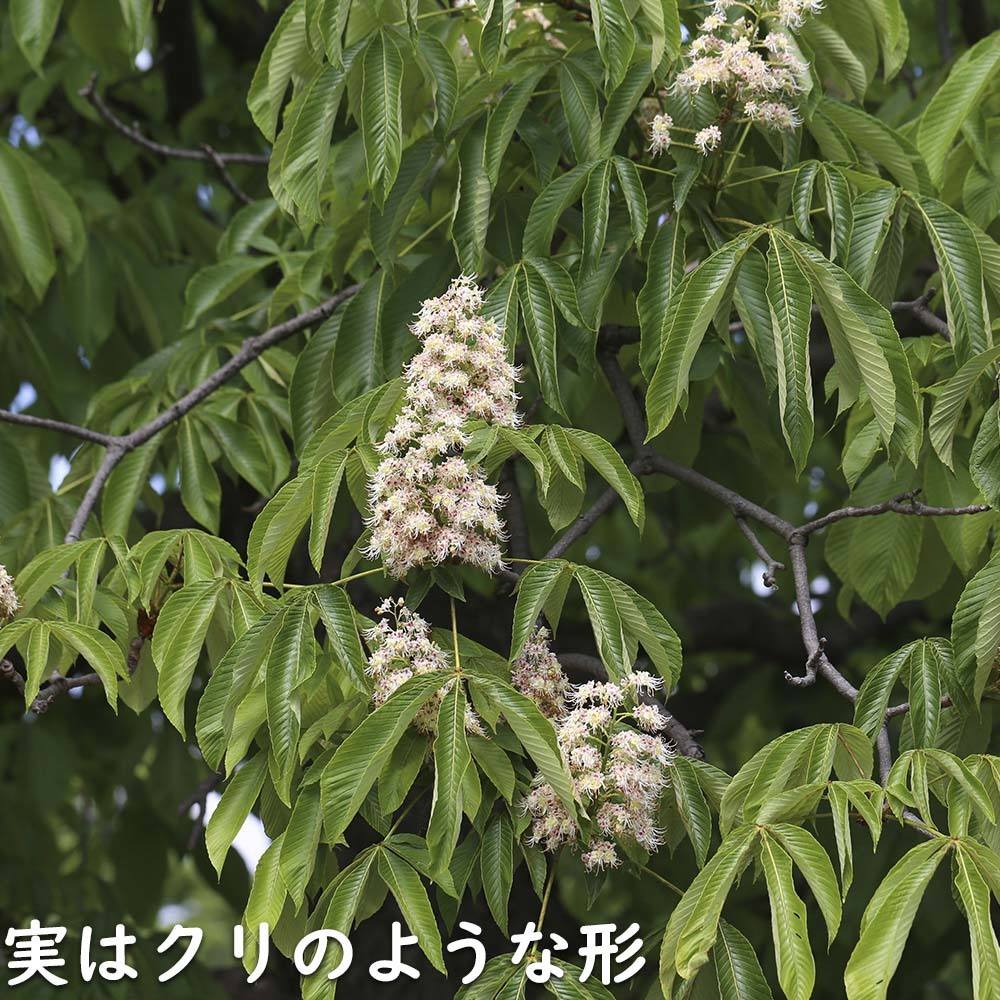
x=128, y=276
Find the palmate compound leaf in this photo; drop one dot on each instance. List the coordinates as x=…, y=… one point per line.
x=798, y=758
x=887, y=920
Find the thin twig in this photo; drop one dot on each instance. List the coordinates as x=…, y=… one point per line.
x=905, y=503
x=199, y=801
x=771, y=565
x=89, y=93
x=206, y=153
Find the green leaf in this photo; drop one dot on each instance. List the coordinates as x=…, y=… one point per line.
x=693, y=927
x=494, y=763
x=281, y=57
x=887, y=920
x=737, y=969
x=596, y=451
x=533, y=590
x=34, y=23
x=496, y=862
x=579, y=103
x=137, y=15
x=961, y=266
x=326, y=481
x=381, y=113
x=691, y=805
x=867, y=349
x=351, y=772
x=407, y=889
x=301, y=842
x=605, y=620
x=298, y=167
x=217, y=282
x=958, y=97
x=615, y=38
x=336, y=910
x=180, y=631
x=796, y=966
x=201, y=493
x=790, y=300
x=291, y=660
x=337, y=614
x=975, y=895
x=504, y=119
x=950, y=403
x=975, y=630
x=814, y=863
x=876, y=689
x=22, y=222
x=985, y=461
x=664, y=274
x=233, y=809
x=473, y=194
x=535, y=732
x=540, y=326
x=451, y=760
x=683, y=326
x=663, y=22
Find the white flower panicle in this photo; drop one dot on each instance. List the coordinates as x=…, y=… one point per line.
x=618, y=772
x=401, y=647
x=537, y=674
x=752, y=62
x=9, y=601
x=428, y=504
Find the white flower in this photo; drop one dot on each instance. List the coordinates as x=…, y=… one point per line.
x=9, y=601
x=792, y=13
x=659, y=133
x=772, y=113
x=708, y=139
x=601, y=855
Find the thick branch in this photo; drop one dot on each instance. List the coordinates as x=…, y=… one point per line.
x=918, y=308
x=83, y=433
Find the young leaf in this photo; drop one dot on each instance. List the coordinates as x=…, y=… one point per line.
x=451, y=760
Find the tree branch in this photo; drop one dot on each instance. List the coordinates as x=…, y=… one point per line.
x=250, y=350
x=83, y=433
x=918, y=307
x=206, y=153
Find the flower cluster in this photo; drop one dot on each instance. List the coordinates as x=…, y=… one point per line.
x=9, y=601
x=428, y=504
x=537, y=674
x=749, y=62
x=618, y=770
x=401, y=647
